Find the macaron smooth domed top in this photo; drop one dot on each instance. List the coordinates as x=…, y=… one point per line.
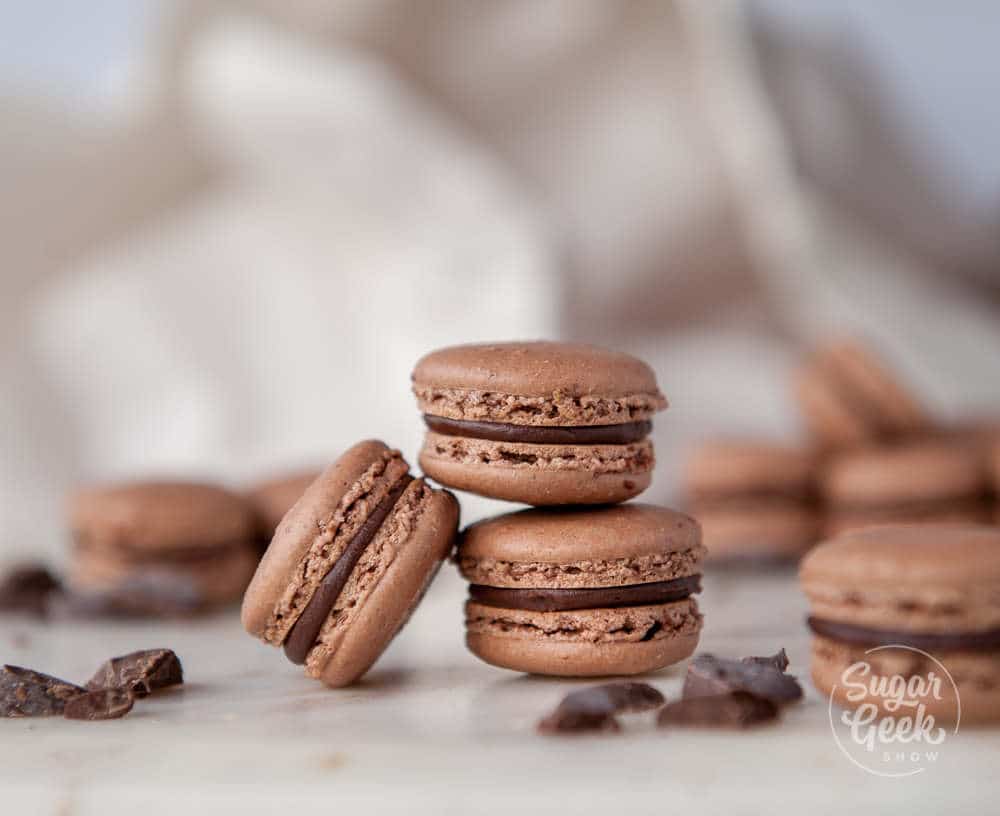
x=581, y=534
x=918, y=556
x=537, y=369
x=160, y=516
x=913, y=471
x=727, y=467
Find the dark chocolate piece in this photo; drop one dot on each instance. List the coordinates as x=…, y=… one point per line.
x=736, y=710
x=561, y=600
x=27, y=693
x=303, y=634
x=985, y=641
x=26, y=588
x=139, y=673
x=779, y=660
x=622, y=434
x=145, y=593
x=593, y=708
x=708, y=676
x=104, y=704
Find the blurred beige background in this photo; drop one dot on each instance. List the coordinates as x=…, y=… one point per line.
x=229, y=229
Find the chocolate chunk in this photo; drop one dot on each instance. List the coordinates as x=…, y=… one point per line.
x=150, y=593
x=26, y=588
x=27, y=693
x=622, y=434
x=106, y=704
x=708, y=676
x=593, y=708
x=736, y=710
x=303, y=634
x=779, y=661
x=561, y=600
x=984, y=641
x=139, y=673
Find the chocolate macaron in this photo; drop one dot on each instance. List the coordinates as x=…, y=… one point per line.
x=919, y=482
x=194, y=540
x=349, y=563
x=541, y=423
x=583, y=592
x=930, y=590
x=849, y=396
x=755, y=501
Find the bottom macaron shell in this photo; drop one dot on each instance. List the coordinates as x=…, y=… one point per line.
x=539, y=474
x=584, y=642
x=976, y=674
x=569, y=659
x=369, y=617
x=219, y=577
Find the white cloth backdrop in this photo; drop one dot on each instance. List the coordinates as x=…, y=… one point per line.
x=234, y=268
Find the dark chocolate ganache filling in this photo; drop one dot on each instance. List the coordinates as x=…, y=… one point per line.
x=564, y=600
x=985, y=641
x=623, y=434
x=303, y=634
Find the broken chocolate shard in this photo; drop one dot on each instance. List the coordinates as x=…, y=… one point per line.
x=779, y=660
x=593, y=708
x=139, y=673
x=26, y=588
x=736, y=710
x=27, y=693
x=708, y=676
x=104, y=704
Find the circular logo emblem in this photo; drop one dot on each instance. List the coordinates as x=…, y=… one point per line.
x=892, y=701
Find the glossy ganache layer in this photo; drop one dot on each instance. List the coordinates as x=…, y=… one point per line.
x=622, y=434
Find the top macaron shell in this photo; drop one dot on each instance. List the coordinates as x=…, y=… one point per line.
x=727, y=468
x=936, y=578
x=535, y=386
x=160, y=517
x=387, y=581
x=849, y=396
x=585, y=547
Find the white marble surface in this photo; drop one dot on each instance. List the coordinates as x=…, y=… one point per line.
x=432, y=730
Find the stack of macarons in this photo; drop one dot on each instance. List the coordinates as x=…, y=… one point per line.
x=581, y=585
x=875, y=456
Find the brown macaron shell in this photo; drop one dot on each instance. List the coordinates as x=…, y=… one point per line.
x=926, y=481
x=385, y=583
x=579, y=549
x=159, y=517
x=941, y=580
x=537, y=385
x=724, y=469
x=756, y=529
x=849, y=396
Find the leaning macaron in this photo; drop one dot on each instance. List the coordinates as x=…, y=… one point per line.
x=929, y=590
x=198, y=537
x=583, y=592
x=919, y=482
x=754, y=500
x=849, y=396
x=349, y=563
x=541, y=423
